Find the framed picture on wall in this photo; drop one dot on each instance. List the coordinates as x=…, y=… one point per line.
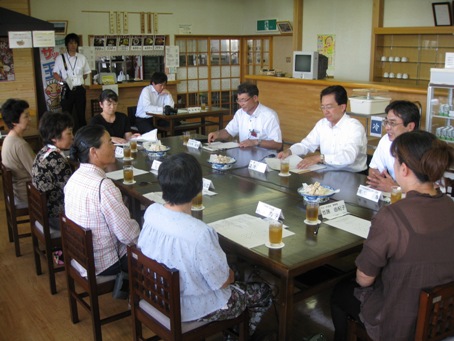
x=60, y=26
x=284, y=26
x=442, y=13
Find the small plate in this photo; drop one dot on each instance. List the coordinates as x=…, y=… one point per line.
x=282, y=174
x=312, y=222
x=127, y=158
x=129, y=183
x=198, y=209
x=278, y=246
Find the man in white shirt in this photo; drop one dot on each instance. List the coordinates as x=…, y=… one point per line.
x=254, y=123
x=152, y=100
x=71, y=69
x=342, y=140
x=401, y=117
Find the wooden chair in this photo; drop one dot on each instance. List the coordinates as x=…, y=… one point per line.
x=78, y=251
x=15, y=215
x=449, y=185
x=435, y=320
x=44, y=238
x=155, y=302
x=132, y=118
x=95, y=108
x=436, y=313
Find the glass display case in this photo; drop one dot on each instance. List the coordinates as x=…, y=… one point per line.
x=440, y=111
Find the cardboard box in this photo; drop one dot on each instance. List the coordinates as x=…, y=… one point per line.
x=374, y=105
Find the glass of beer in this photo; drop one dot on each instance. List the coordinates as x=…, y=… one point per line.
x=186, y=137
x=133, y=145
x=128, y=174
x=285, y=167
x=197, y=202
x=396, y=194
x=127, y=151
x=312, y=212
x=275, y=232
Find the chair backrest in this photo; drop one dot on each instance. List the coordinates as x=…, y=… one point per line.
x=156, y=284
x=37, y=208
x=95, y=108
x=436, y=313
x=132, y=115
x=449, y=186
x=8, y=191
x=78, y=246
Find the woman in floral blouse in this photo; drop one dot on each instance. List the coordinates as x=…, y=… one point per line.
x=51, y=169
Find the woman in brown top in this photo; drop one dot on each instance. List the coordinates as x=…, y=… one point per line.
x=409, y=246
x=17, y=154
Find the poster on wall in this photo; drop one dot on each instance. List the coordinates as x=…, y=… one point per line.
x=52, y=89
x=6, y=61
x=326, y=45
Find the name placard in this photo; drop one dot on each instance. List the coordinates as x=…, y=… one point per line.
x=155, y=165
x=194, y=110
x=368, y=193
x=257, y=166
x=268, y=211
x=333, y=210
x=194, y=144
x=207, y=184
x=119, y=151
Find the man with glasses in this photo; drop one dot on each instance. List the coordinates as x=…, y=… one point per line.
x=401, y=117
x=254, y=123
x=152, y=100
x=342, y=140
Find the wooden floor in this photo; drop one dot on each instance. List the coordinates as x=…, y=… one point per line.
x=29, y=312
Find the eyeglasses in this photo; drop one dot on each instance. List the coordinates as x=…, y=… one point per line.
x=243, y=100
x=328, y=107
x=392, y=124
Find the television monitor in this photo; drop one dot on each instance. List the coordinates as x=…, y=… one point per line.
x=309, y=65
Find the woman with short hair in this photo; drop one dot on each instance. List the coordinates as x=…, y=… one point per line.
x=51, y=168
x=17, y=154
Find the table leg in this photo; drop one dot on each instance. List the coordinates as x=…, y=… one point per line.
x=221, y=121
x=203, y=128
x=285, y=307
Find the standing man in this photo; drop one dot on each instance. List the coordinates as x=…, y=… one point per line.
x=152, y=100
x=342, y=140
x=254, y=123
x=71, y=68
x=401, y=117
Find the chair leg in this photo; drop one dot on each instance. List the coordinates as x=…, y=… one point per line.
x=16, y=240
x=95, y=318
x=37, y=255
x=10, y=229
x=50, y=268
x=72, y=299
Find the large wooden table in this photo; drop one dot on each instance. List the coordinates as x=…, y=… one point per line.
x=197, y=120
x=239, y=191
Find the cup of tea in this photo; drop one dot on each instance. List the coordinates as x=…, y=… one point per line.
x=396, y=194
x=275, y=232
x=203, y=106
x=186, y=137
x=312, y=212
x=197, y=202
x=128, y=174
x=285, y=167
x=127, y=151
x=133, y=145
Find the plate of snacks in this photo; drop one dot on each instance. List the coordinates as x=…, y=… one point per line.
x=221, y=162
x=156, y=148
x=316, y=191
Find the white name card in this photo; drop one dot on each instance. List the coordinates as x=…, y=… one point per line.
x=368, y=193
x=207, y=184
x=268, y=211
x=194, y=110
x=333, y=210
x=194, y=143
x=155, y=165
x=257, y=166
x=119, y=151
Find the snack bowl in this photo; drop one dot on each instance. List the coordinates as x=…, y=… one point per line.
x=224, y=163
x=311, y=197
x=156, y=150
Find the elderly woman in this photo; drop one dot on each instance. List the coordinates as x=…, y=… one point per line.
x=94, y=202
x=178, y=240
x=116, y=123
x=17, y=154
x=409, y=246
x=51, y=169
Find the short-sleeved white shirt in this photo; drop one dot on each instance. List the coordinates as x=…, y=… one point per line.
x=382, y=158
x=76, y=67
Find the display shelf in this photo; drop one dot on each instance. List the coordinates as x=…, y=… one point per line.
x=439, y=107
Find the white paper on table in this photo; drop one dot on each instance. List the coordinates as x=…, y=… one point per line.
x=150, y=136
x=208, y=192
x=155, y=196
x=117, y=175
x=352, y=224
x=215, y=146
x=246, y=230
x=275, y=163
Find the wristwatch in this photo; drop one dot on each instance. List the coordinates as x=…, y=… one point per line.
x=322, y=158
